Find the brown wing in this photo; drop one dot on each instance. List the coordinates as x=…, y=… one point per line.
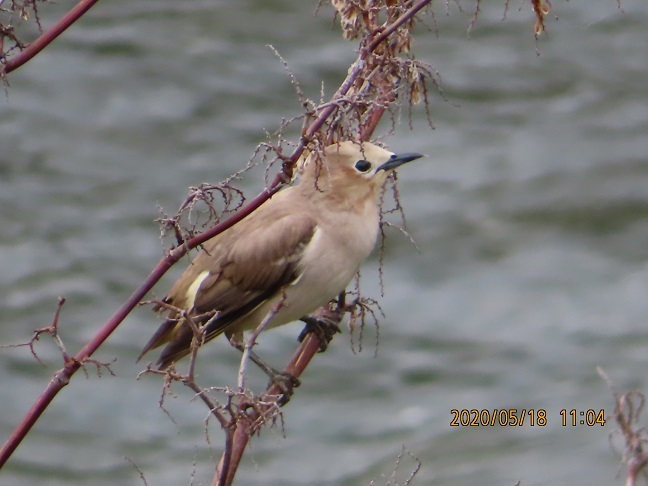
x=247, y=264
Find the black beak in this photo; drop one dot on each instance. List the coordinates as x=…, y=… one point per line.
x=397, y=160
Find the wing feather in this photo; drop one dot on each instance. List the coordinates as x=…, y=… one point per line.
x=247, y=264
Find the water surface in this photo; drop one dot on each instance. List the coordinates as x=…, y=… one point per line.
x=530, y=216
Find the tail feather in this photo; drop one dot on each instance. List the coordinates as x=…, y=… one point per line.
x=161, y=336
x=180, y=343
x=178, y=347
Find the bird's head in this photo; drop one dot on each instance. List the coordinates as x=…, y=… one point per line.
x=349, y=166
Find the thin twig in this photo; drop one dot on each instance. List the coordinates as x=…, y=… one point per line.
x=251, y=341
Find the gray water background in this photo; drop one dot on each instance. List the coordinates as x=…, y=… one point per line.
x=530, y=215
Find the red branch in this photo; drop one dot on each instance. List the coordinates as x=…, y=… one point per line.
x=311, y=345
x=46, y=38
x=62, y=377
x=243, y=428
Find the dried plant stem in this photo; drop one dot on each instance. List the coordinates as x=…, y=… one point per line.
x=251, y=341
x=248, y=423
x=311, y=344
x=72, y=364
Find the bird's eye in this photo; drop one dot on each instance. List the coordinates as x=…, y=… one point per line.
x=363, y=165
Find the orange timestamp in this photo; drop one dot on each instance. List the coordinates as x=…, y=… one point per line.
x=587, y=417
x=505, y=417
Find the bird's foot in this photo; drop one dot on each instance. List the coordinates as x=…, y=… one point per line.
x=322, y=326
x=287, y=382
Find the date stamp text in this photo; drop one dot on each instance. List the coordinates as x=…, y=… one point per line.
x=514, y=417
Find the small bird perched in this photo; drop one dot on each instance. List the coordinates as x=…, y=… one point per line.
x=291, y=256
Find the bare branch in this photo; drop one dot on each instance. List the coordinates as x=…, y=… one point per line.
x=251, y=341
x=28, y=52
x=353, y=112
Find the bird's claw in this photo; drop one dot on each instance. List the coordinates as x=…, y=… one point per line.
x=286, y=382
x=323, y=328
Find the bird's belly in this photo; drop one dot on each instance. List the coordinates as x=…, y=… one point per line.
x=328, y=267
x=312, y=290
x=296, y=301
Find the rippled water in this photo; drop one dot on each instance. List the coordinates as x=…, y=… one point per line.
x=530, y=215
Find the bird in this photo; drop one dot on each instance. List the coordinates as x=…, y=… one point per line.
x=290, y=256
